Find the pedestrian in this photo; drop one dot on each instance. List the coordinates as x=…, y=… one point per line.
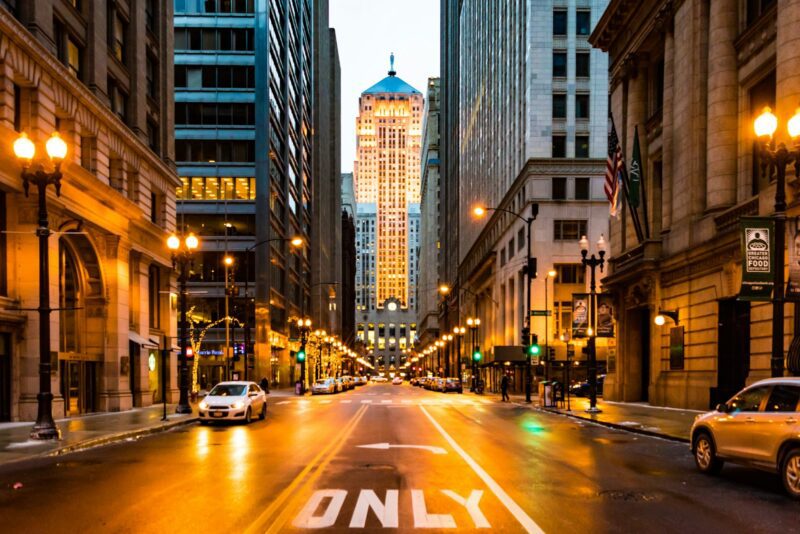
x=504, y=388
x=264, y=384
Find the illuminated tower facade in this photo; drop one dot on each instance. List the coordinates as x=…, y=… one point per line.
x=387, y=176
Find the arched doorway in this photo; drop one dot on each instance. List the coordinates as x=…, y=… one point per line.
x=80, y=340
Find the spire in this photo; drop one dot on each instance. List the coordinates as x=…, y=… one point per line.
x=392, y=72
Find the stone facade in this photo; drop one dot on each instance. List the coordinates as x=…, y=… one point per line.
x=110, y=271
x=692, y=76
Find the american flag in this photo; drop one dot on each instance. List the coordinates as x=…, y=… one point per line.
x=614, y=166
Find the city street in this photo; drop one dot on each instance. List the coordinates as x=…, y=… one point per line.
x=392, y=457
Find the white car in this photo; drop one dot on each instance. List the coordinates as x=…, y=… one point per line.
x=239, y=401
x=397, y=381
x=323, y=385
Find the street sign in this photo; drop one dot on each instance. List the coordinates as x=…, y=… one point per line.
x=541, y=313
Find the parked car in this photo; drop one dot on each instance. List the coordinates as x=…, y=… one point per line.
x=323, y=385
x=237, y=400
x=348, y=382
x=438, y=384
x=379, y=379
x=452, y=384
x=758, y=427
x=361, y=381
x=397, y=381
x=581, y=389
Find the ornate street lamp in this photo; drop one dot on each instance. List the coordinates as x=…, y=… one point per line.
x=529, y=270
x=24, y=149
x=592, y=262
x=182, y=257
x=779, y=157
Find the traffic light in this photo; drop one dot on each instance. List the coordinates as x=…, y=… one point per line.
x=476, y=355
x=301, y=354
x=533, y=348
x=551, y=353
x=526, y=336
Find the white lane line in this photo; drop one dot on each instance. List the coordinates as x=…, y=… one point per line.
x=348, y=401
x=386, y=401
x=407, y=401
x=282, y=402
x=368, y=401
x=385, y=394
x=524, y=519
x=326, y=401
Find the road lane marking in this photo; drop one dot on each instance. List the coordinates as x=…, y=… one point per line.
x=305, y=487
x=387, y=446
x=386, y=401
x=282, y=402
x=307, y=519
x=387, y=513
x=472, y=506
x=367, y=401
x=289, y=491
x=519, y=514
x=422, y=519
x=407, y=401
x=348, y=401
x=326, y=401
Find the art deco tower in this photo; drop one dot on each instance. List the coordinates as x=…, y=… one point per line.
x=386, y=179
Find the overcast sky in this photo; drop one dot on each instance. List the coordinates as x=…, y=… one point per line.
x=367, y=31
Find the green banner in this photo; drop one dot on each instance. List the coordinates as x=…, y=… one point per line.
x=758, y=258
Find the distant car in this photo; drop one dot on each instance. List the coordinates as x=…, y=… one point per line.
x=452, y=384
x=323, y=386
x=348, y=382
x=237, y=400
x=429, y=383
x=581, y=389
x=379, y=379
x=758, y=427
x=397, y=381
x=361, y=381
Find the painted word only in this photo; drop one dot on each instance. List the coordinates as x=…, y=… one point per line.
x=323, y=508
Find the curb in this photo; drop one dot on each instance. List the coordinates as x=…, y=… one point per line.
x=616, y=426
x=101, y=441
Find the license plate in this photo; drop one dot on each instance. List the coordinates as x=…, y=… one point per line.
x=217, y=414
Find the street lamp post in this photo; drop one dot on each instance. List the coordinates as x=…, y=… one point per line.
x=779, y=157
x=592, y=262
x=295, y=242
x=530, y=271
x=182, y=250
x=550, y=276
x=24, y=149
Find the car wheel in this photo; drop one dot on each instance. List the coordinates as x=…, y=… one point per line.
x=790, y=473
x=203, y=422
x=248, y=416
x=705, y=454
x=263, y=413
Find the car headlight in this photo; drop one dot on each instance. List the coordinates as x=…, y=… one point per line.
x=237, y=405
x=203, y=405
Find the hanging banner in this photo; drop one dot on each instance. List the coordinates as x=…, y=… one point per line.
x=793, y=286
x=758, y=258
x=605, y=315
x=580, y=314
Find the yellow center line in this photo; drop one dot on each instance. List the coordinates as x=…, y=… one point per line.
x=322, y=458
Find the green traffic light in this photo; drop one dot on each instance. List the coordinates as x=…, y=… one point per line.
x=533, y=350
x=301, y=355
x=476, y=356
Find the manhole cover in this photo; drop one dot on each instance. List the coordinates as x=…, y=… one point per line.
x=628, y=496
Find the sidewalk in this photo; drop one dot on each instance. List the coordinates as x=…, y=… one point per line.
x=660, y=421
x=87, y=431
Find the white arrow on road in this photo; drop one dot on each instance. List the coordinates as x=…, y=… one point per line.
x=386, y=446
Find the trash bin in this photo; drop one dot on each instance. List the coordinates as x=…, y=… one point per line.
x=546, y=399
x=298, y=388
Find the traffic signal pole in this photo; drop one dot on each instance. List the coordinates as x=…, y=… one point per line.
x=529, y=280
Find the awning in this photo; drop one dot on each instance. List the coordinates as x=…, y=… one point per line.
x=141, y=340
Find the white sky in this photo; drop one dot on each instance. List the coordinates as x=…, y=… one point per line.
x=367, y=31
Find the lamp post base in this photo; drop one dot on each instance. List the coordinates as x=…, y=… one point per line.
x=45, y=428
x=593, y=409
x=183, y=408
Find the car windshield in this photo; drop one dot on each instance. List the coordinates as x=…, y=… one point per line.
x=228, y=390
x=322, y=381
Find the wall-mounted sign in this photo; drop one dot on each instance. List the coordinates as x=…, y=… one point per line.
x=793, y=287
x=758, y=258
x=580, y=314
x=605, y=315
x=676, y=348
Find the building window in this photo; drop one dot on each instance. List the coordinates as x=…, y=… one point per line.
x=559, y=189
x=502, y=257
x=221, y=77
x=582, y=64
x=568, y=230
x=581, y=146
x=153, y=294
x=150, y=14
x=583, y=23
x=756, y=8
x=117, y=35
x=559, y=64
x=582, y=188
x=74, y=57
x=569, y=273
x=152, y=136
x=559, y=106
x=520, y=239
x=582, y=106
x=17, y=108
x=211, y=151
x=559, y=22
x=88, y=147
x=559, y=146
x=119, y=100
x=151, y=76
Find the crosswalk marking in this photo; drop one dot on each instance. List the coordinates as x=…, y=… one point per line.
x=346, y=401
x=326, y=401
x=386, y=401
x=366, y=401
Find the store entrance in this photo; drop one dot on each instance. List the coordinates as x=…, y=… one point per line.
x=79, y=387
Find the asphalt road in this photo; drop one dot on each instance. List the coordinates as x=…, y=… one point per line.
x=452, y=462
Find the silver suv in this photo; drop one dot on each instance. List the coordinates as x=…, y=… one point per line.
x=759, y=427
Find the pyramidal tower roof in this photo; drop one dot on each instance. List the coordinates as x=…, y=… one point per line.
x=391, y=84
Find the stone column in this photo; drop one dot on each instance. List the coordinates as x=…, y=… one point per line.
x=667, y=128
x=723, y=90
x=787, y=63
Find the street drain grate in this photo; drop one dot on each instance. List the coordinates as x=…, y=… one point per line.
x=628, y=496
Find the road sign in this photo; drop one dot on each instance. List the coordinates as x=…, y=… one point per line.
x=541, y=313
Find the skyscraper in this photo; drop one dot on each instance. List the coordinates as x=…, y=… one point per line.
x=386, y=178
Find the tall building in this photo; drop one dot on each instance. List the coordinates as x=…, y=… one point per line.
x=702, y=172
x=534, y=132
x=386, y=184
x=244, y=75
x=429, y=259
x=100, y=75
